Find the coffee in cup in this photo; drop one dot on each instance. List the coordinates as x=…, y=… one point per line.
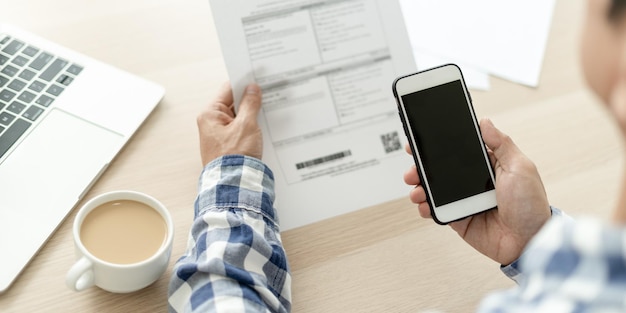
x=123, y=232
x=123, y=241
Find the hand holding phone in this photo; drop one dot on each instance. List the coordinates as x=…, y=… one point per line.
x=442, y=130
x=523, y=206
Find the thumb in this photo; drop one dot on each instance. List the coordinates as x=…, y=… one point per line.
x=501, y=144
x=250, y=103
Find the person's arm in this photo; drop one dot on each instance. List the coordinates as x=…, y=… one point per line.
x=234, y=261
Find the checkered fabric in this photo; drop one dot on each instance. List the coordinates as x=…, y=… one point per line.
x=235, y=261
x=569, y=267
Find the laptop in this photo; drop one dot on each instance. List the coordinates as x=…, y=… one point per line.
x=63, y=118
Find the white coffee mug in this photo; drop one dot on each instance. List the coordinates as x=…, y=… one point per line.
x=90, y=270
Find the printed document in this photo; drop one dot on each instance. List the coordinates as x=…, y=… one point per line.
x=331, y=130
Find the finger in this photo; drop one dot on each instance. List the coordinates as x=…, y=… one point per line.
x=250, y=104
x=492, y=158
x=225, y=95
x=223, y=101
x=417, y=195
x=213, y=115
x=502, y=146
x=222, y=108
x=411, y=177
x=407, y=148
x=424, y=210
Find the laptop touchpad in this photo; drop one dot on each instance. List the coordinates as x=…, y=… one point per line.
x=46, y=175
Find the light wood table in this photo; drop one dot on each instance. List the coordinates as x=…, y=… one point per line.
x=379, y=259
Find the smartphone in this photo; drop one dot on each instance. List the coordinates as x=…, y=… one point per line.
x=440, y=124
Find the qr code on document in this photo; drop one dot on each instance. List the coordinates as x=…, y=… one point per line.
x=391, y=142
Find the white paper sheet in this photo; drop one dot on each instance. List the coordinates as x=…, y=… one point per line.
x=332, y=135
x=506, y=38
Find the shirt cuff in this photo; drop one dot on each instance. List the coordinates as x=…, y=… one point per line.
x=237, y=181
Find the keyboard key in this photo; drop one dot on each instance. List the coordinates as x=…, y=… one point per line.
x=44, y=101
x=65, y=80
x=16, y=107
x=7, y=96
x=52, y=70
x=27, y=75
x=30, y=51
x=26, y=97
x=3, y=59
x=40, y=61
x=17, y=85
x=20, y=61
x=13, y=47
x=9, y=71
x=1, y=106
x=10, y=136
x=3, y=81
x=37, y=86
x=6, y=118
x=1, y=129
x=32, y=113
x=55, y=90
x=75, y=69
x=5, y=40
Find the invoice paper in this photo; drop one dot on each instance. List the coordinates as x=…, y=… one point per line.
x=331, y=131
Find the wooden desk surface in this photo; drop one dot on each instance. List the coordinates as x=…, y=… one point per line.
x=379, y=259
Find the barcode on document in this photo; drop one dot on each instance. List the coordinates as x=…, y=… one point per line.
x=391, y=142
x=323, y=160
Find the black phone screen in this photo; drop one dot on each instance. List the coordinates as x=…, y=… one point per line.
x=448, y=143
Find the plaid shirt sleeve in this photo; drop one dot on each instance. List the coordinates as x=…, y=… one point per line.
x=512, y=270
x=569, y=267
x=235, y=261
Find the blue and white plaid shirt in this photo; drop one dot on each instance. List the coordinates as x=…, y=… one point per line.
x=235, y=261
x=568, y=267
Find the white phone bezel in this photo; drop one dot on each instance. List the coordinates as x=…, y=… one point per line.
x=423, y=80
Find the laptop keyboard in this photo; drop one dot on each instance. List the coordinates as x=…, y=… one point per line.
x=30, y=81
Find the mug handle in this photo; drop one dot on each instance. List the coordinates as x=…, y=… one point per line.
x=80, y=276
